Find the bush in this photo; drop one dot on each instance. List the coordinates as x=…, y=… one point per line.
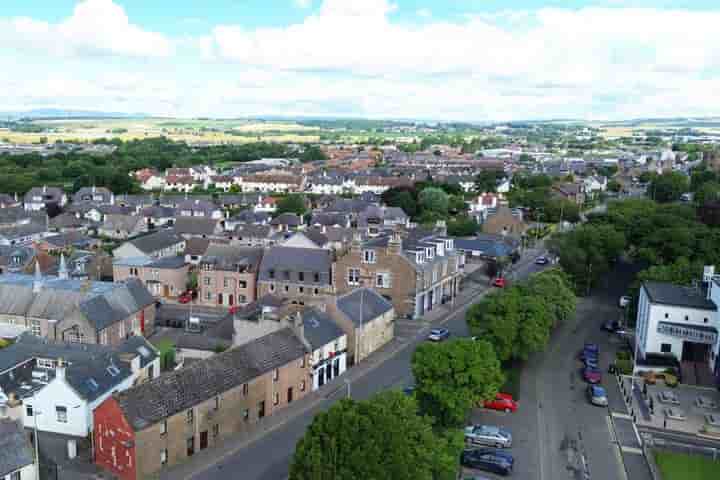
x=625, y=367
x=623, y=355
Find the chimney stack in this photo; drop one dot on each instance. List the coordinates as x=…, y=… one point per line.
x=60, y=369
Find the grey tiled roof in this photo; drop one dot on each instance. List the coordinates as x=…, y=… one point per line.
x=294, y=260
x=229, y=258
x=677, y=295
x=156, y=241
x=15, y=451
x=289, y=219
x=195, y=225
x=373, y=305
x=153, y=401
x=319, y=328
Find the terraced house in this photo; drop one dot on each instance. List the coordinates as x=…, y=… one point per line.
x=299, y=274
x=416, y=271
x=163, y=422
x=228, y=275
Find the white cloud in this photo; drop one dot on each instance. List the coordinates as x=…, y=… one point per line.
x=96, y=27
x=302, y=3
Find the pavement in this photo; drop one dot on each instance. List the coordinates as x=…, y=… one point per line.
x=265, y=454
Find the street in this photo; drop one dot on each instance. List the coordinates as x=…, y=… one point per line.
x=557, y=433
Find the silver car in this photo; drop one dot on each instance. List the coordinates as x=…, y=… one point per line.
x=488, y=435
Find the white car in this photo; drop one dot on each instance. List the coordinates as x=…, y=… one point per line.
x=624, y=301
x=488, y=435
x=703, y=401
x=666, y=396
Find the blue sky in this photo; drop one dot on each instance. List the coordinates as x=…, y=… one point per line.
x=431, y=59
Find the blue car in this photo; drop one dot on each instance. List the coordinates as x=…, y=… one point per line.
x=488, y=459
x=591, y=347
x=591, y=362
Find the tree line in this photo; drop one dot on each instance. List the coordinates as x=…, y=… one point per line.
x=417, y=436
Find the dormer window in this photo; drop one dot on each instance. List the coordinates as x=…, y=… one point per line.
x=430, y=252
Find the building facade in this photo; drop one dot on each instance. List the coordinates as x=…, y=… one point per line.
x=228, y=275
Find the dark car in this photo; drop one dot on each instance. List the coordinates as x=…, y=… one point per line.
x=592, y=375
x=488, y=459
x=613, y=326
x=541, y=261
x=591, y=362
x=585, y=354
x=591, y=347
x=438, y=334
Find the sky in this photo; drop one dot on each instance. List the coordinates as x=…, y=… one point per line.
x=447, y=60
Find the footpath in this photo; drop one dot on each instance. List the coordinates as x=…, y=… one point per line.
x=408, y=332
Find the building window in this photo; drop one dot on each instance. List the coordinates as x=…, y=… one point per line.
x=246, y=414
x=316, y=291
x=666, y=348
x=242, y=284
x=667, y=315
x=276, y=398
x=190, y=446
x=302, y=385
x=163, y=427
x=217, y=403
x=287, y=288
x=190, y=416
x=687, y=318
x=271, y=273
x=245, y=389
x=276, y=375
x=104, y=337
x=301, y=289
x=216, y=430
x=61, y=413
x=163, y=457
x=382, y=280
x=29, y=410
x=434, y=275
x=208, y=295
x=207, y=281
x=121, y=329
x=35, y=327
x=272, y=287
x=353, y=276
x=368, y=256
x=705, y=320
x=301, y=276
x=15, y=475
x=316, y=277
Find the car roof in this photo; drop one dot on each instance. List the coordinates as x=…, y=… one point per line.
x=438, y=330
x=487, y=428
x=597, y=390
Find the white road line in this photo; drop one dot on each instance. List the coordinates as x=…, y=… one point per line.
x=611, y=430
x=634, y=450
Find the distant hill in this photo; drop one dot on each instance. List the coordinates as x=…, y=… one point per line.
x=55, y=113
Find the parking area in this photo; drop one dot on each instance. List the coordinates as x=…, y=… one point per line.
x=686, y=409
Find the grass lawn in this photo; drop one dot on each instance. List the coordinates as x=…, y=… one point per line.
x=678, y=466
x=512, y=371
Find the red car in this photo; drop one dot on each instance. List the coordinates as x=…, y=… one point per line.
x=502, y=402
x=499, y=282
x=185, y=297
x=592, y=375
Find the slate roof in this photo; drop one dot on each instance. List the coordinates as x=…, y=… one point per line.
x=195, y=225
x=289, y=219
x=319, y=328
x=51, y=194
x=677, y=295
x=15, y=450
x=330, y=219
x=88, y=193
x=316, y=236
x=253, y=231
x=249, y=216
x=230, y=258
x=490, y=248
x=102, y=303
x=158, y=399
x=373, y=305
x=196, y=246
x=123, y=223
x=156, y=241
x=294, y=260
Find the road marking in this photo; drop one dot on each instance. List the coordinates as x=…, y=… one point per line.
x=611, y=430
x=624, y=416
x=634, y=450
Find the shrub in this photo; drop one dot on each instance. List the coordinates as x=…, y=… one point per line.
x=624, y=366
x=623, y=355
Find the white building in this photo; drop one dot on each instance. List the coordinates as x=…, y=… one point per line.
x=328, y=343
x=680, y=321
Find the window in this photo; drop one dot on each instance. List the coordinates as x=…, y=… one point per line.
x=316, y=277
x=687, y=318
x=316, y=291
x=287, y=288
x=272, y=287
x=667, y=315
x=163, y=456
x=276, y=398
x=104, y=337
x=207, y=281
x=35, y=328
x=287, y=274
x=353, y=276
x=217, y=403
x=190, y=416
x=271, y=273
x=302, y=385
x=216, y=430
x=301, y=289
x=61, y=413
x=226, y=282
x=434, y=275
x=276, y=375
x=190, y=446
x=163, y=427
x=245, y=389
x=301, y=276
x=208, y=295
x=121, y=329
x=242, y=284
x=705, y=320
x=666, y=348
x=29, y=410
x=382, y=280
x=368, y=256
x=15, y=475
x=45, y=363
x=246, y=414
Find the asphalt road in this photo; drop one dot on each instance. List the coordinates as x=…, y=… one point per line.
x=269, y=457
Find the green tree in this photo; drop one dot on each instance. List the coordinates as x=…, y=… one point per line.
x=487, y=180
x=707, y=192
x=462, y=226
x=668, y=187
x=383, y=437
x=312, y=153
x=453, y=376
x=497, y=320
x=291, y=204
x=456, y=204
x=555, y=287
x=614, y=186
x=434, y=200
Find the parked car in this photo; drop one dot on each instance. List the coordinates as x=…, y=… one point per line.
x=674, y=413
x=503, y=402
x=499, y=282
x=592, y=375
x=488, y=459
x=597, y=395
x=591, y=362
x=488, y=435
x=588, y=353
x=591, y=347
x=439, y=334
x=185, y=297
x=624, y=301
x=541, y=261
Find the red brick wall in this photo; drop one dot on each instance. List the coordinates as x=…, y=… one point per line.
x=114, y=441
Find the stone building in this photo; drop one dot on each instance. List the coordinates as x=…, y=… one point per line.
x=163, y=422
x=165, y=277
x=228, y=275
x=300, y=274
